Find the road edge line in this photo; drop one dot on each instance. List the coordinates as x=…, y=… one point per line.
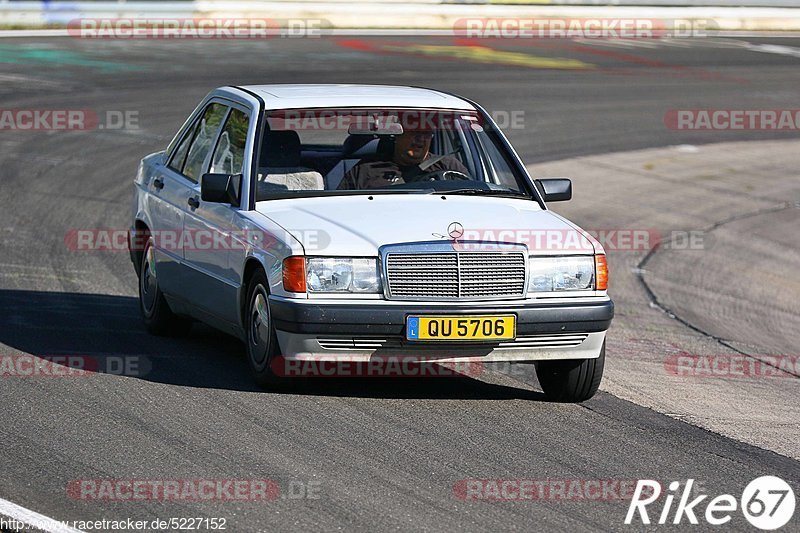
x=33, y=519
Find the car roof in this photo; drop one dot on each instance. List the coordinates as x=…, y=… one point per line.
x=295, y=96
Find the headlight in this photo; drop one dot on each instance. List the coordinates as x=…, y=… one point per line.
x=342, y=274
x=548, y=274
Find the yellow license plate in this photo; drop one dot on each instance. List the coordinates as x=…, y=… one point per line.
x=460, y=328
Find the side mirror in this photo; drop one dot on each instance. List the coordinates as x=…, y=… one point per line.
x=221, y=188
x=555, y=189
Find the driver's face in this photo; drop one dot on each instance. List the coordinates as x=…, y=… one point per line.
x=412, y=147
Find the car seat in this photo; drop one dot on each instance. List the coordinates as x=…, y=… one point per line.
x=279, y=166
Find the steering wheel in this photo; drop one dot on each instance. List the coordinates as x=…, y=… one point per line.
x=443, y=175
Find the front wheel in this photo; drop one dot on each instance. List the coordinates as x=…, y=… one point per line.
x=571, y=380
x=262, y=343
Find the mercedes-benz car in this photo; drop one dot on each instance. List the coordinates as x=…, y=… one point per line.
x=317, y=222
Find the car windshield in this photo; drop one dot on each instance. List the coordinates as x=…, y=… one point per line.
x=310, y=152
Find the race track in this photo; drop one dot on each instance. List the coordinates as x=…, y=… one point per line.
x=381, y=454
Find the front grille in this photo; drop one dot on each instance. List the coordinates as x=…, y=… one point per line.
x=561, y=340
x=456, y=275
x=357, y=343
x=558, y=340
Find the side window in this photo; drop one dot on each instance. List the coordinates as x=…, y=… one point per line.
x=200, y=149
x=229, y=154
x=179, y=156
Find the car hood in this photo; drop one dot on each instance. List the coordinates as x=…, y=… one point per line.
x=359, y=225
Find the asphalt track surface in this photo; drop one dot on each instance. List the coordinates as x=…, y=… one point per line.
x=380, y=454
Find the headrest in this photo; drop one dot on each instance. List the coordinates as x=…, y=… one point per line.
x=280, y=149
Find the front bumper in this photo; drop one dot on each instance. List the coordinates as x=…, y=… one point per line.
x=562, y=329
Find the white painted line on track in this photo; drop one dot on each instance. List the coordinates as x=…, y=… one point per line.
x=34, y=33
x=32, y=519
x=774, y=49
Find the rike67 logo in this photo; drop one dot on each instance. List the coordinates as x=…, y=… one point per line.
x=767, y=502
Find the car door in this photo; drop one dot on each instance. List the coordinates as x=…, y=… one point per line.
x=180, y=175
x=210, y=229
x=168, y=192
x=162, y=203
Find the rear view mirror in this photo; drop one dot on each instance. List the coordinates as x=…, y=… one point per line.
x=221, y=188
x=555, y=189
x=372, y=126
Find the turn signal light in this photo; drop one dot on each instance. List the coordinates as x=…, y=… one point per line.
x=294, y=273
x=601, y=270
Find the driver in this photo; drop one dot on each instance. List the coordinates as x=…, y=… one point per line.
x=411, y=160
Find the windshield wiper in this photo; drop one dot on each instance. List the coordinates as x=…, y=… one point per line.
x=278, y=195
x=487, y=192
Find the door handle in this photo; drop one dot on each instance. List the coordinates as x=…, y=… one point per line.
x=158, y=183
x=193, y=202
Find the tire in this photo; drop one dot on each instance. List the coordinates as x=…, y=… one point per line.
x=260, y=340
x=157, y=316
x=571, y=380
